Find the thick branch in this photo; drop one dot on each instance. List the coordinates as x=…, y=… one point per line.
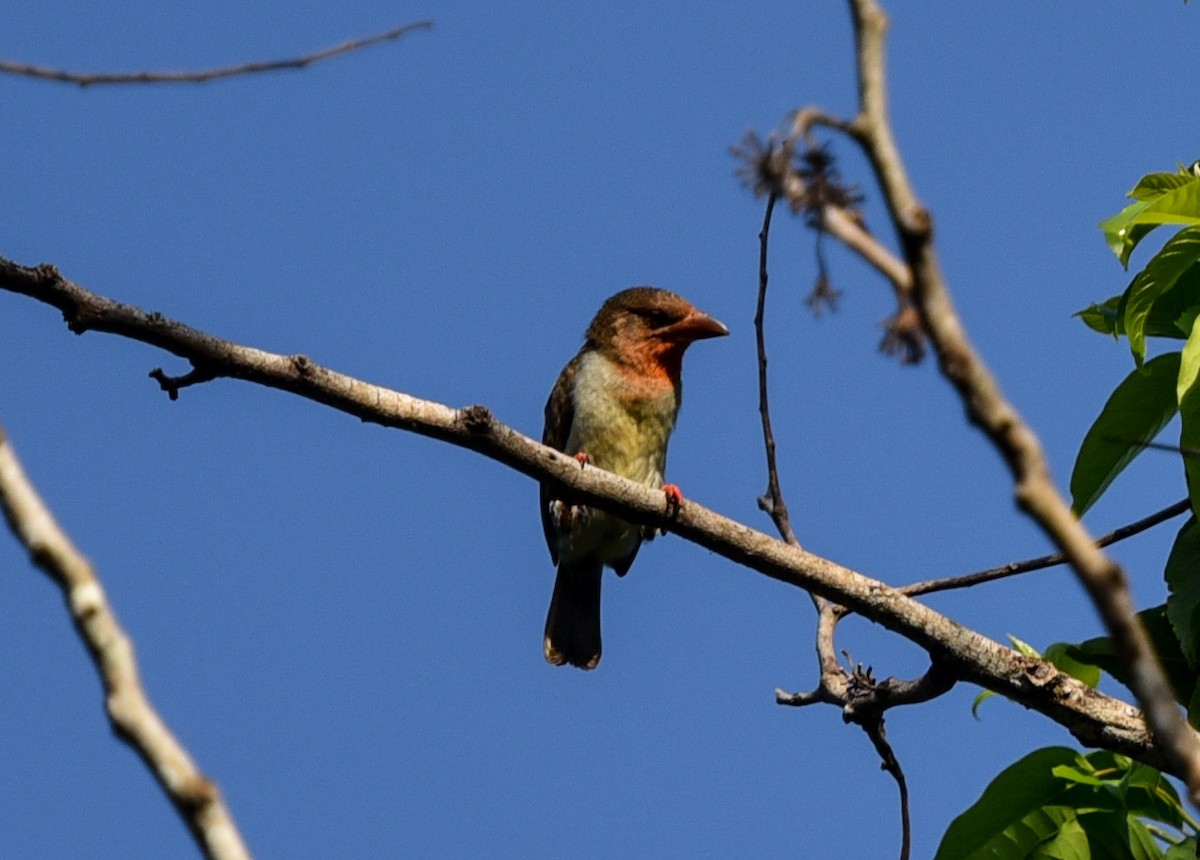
x=87, y=79
x=988, y=409
x=1094, y=718
x=133, y=718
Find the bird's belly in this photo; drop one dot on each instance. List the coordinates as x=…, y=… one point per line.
x=624, y=431
x=597, y=536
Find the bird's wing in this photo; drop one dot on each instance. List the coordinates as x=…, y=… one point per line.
x=560, y=413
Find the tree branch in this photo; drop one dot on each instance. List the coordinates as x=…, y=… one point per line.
x=133, y=717
x=771, y=502
x=1092, y=717
x=87, y=79
x=988, y=409
x=1041, y=562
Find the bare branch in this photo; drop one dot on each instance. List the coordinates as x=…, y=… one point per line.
x=833, y=686
x=864, y=701
x=988, y=409
x=1041, y=562
x=903, y=334
x=772, y=501
x=172, y=384
x=133, y=717
x=87, y=79
x=888, y=761
x=1093, y=717
x=843, y=226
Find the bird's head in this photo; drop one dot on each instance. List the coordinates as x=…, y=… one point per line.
x=651, y=327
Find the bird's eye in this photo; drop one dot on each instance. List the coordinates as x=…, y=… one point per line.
x=658, y=318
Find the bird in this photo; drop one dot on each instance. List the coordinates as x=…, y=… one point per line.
x=613, y=407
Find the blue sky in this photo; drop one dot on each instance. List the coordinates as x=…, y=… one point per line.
x=344, y=623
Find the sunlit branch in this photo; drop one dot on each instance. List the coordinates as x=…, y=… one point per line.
x=133, y=717
x=1093, y=717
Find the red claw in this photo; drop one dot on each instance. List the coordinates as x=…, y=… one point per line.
x=583, y=458
x=674, y=495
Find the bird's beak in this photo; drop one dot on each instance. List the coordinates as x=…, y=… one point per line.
x=697, y=325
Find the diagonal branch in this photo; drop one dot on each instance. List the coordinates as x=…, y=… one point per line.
x=133, y=717
x=1042, y=562
x=988, y=409
x=1093, y=717
x=87, y=79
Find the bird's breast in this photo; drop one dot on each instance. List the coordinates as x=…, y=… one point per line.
x=623, y=420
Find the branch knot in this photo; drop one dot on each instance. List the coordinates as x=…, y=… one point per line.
x=476, y=419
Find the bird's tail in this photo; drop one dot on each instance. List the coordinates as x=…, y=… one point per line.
x=573, y=623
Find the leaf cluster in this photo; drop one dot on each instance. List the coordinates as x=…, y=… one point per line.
x=1162, y=301
x=1060, y=803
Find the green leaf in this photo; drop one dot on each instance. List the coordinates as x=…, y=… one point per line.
x=1182, y=677
x=1024, y=648
x=1121, y=234
x=1193, y=708
x=1062, y=804
x=1158, y=278
x=1183, y=580
x=1148, y=794
x=1105, y=317
x=1059, y=654
x=1117, y=836
x=1162, y=198
x=1188, y=391
x=1185, y=850
x=983, y=696
x=1189, y=364
x=1019, y=809
x=1070, y=842
x=1178, y=205
x=1137, y=410
x=1074, y=774
x=1154, y=185
x=1171, y=316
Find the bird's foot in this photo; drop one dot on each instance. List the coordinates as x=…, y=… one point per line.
x=674, y=498
x=584, y=458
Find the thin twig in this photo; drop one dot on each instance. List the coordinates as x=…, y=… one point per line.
x=1156, y=446
x=772, y=501
x=1055, y=558
x=133, y=717
x=866, y=702
x=172, y=384
x=888, y=761
x=87, y=79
